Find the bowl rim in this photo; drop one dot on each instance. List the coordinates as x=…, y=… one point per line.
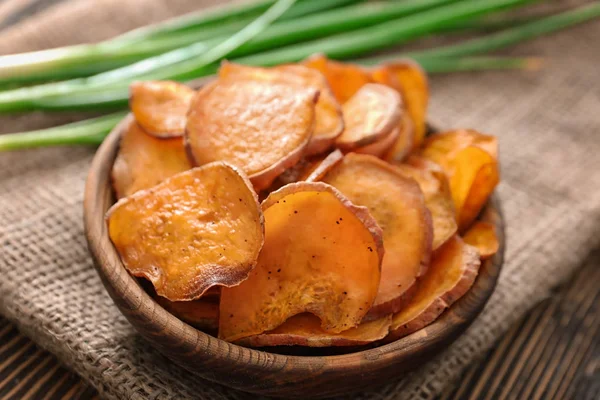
x=139, y=307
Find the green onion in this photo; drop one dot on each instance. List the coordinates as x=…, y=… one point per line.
x=84, y=60
x=88, y=132
x=209, y=57
x=351, y=44
x=466, y=64
x=511, y=36
x=160, y=67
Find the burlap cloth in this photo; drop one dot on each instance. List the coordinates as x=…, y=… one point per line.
x=549, y=128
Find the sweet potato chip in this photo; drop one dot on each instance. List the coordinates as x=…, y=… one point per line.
x=322, y=255
x=197, y=229
x=404, y=144
x=329, y=123
x=451, y=274
x=144, y=161
x=320, y=168
x=262, y=127
x=438, y=200
x=371, y=114
x=202, y=314
x=344, y=79
x=472, y=170
x=383, y=145
x=482, y=235
x=305, y=330
x=411, y=81
x=398, y=205
x=160, y=107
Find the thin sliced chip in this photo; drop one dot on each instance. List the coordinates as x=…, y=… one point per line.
x=144, y=161
x=197, y=229
x=472, y=171
x=319, y=169
x=344, y=79
x=202, y=314
x=482, y=235
x=262, y=127
x=438, y=200
x=451, y=274
x=447, y=144
x=329, y=123
x=371, y=114
x=405, y=142
x=305, y=330
x=398, y=205
x=322, y=255
x=380, y=147
x=410, y=80
x=160, y=107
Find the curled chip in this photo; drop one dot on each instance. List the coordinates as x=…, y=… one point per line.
x=262, y=127
x=160, y=107
x=305, y=330
x=452, y=272
x=404, y=144
x=472, y=171
x=438, y=200
x=322, y=255
x=320, y=168
x=371, y=114
x=411, y=81
x=197, y=229
x=329, y=123
x=398, y=205
x=447, y=144
x=382, y=146
x=202, y=314
x=344, y=79
x=482, y=235
x=144, y=161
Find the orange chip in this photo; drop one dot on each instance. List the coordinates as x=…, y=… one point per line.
x=451, y=274
x=482, y=235
x=471, y=169
x=202, y=314
x=380, y=147
x=404, y=144
x=398, y=205
x=344, y=79
x=305, y=330
x=438, y=200
x=322, y=255
x=320, y=168
x=410, y=80
x=371, y=114
x=329, y=123
x=262, y=127
x=160, y=107
x=144, y=161
x=195, y=230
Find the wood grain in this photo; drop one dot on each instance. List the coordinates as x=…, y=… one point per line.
x=262, y=372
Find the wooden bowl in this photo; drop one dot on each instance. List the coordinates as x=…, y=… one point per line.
x=268, y=373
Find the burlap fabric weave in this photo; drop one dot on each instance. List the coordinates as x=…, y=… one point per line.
x=548, y=123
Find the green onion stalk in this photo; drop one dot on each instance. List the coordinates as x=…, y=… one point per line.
x=73, y=95
x=277, y=35
x=88, y=59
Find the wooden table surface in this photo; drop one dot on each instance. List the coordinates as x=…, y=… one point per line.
x=552, y=353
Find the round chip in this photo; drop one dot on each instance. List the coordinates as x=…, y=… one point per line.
x=482, y=235
x=144, y=161
x=371, y=114
x=262, y=127
x=398, y=205
x=160, y=107
x=322, y=255
x=197, y=229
